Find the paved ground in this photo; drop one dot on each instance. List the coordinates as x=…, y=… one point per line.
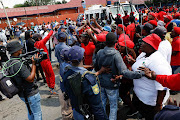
x=14, y=109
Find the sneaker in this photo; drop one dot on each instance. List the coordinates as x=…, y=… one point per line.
x=53, y=91
x=1, y=98
x=131, y=114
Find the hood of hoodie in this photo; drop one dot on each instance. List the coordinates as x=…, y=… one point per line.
x=109, y=51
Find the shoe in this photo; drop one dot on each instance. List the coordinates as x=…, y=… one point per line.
x=53, y=91
x=1, y=98
x=131, y=114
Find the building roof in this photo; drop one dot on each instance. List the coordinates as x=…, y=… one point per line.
x=22, y=11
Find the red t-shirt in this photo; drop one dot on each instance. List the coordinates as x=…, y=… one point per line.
x=131, y=30
x=160, y=15
x=126, y=19
x=88, y=54
x=175, y=60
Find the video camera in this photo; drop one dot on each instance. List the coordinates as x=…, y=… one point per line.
x=27, y=57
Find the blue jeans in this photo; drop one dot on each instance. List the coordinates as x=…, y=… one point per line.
x=77, y=115
x=112, y=95
x=35, y=106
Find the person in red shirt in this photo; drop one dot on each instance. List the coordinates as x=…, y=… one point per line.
x=167, y=20
x=46, y=64
x=170, y=81
x=131, y=29
x=126, y=18
x=161, y=14
x=175, y=58
x=121, y=33
x=89, y=48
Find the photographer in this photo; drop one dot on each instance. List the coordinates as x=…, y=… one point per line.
x=24, y=79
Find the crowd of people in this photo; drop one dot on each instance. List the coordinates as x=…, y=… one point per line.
x=100, y=62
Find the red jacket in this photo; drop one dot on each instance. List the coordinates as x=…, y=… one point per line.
x=42, y=43
x=170, y=81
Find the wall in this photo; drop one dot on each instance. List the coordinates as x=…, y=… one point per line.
x=40, y=20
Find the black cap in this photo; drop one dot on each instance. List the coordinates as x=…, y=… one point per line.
x=13, y=46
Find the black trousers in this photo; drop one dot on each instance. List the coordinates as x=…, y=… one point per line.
x=147, y=111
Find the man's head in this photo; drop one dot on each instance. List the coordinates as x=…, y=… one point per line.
x=125, y=12
x=175, y=32
x=14, y=48
x=132, y=19
x=71, y=28
x=37, y=37
x=85, y=38
x=146, y=29
x=167, y=18
x=76, y=55
x=62, y=37
x=120, y=29
x=150, y=44
x=110, y=39
x=151, y=16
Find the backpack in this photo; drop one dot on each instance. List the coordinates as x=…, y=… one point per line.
x=75, y=81
x=7, y=84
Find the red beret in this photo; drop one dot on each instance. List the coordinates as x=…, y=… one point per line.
x=121, y=26
x=153, y=22
x=167, y=10
x=129, y=44
x=153, y=40
x=168, y=17
x=101, y=37
x=177, y=15
x=177, y=30
x=119, y=15
x=153, y=14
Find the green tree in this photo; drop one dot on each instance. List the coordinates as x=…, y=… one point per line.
x=58, y=2
x=64, y=1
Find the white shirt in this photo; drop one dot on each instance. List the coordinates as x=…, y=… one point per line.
x=147, y=90
x=165, y=49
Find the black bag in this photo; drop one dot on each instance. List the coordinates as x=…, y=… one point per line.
x=7, y=85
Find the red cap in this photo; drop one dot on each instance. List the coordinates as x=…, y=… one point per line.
x=177, y=15
x=175, y=9
x=129, y=44
x=177, y=30
x=121, y=26
x=153, y=22
x=119, y=15
x=167, y=10
x=153, y=40
x=101, y=37
x=168, y=17
x=153, y=14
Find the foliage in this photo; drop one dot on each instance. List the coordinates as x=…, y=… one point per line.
x=29, y=3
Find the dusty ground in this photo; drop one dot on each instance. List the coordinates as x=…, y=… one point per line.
x=15, y=109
